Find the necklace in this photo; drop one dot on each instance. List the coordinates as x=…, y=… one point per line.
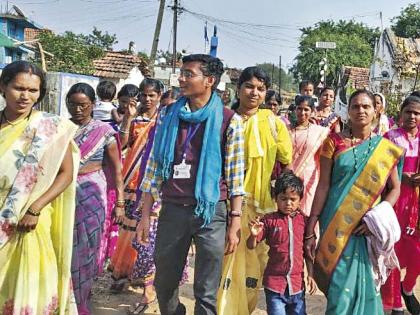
x=12, y=123
x=358, y=162
x=299, y=151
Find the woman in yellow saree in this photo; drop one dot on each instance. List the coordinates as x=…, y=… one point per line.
x=356, y=166
x=267, y=141
x=37, y=198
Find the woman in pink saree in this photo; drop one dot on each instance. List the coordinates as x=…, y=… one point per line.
x=407, y=210
x=307, y=139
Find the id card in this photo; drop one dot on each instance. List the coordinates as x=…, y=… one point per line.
x=182, y=170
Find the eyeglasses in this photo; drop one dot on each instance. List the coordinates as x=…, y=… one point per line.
x=188, y=74
x=74, y=106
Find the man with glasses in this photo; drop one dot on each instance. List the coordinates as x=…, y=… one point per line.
x=196, y=164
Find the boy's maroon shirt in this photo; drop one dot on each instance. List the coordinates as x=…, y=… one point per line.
x=284, y=235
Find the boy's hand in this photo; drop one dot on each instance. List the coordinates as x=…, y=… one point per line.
x=312, y=288
x=255, y=226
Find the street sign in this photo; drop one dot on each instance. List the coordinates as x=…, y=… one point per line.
x=326, y=45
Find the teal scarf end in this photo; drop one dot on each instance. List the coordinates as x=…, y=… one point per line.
x=206, y=211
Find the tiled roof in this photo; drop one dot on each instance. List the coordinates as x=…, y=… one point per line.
x=405, y=52
x=359, y=77
x=118, y=65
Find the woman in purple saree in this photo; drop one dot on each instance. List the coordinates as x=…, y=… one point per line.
x=98, y=148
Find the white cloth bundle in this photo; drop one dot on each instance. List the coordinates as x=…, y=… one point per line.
x=383, y=224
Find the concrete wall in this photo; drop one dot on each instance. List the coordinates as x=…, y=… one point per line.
x=58, y=84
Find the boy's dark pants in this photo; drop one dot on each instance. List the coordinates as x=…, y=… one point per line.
x=177, y=226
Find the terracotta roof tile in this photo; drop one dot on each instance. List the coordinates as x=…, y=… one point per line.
x=119, y=65
x=359, y=77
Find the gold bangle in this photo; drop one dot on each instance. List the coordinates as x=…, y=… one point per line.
x=124, y=131
x=33, y=213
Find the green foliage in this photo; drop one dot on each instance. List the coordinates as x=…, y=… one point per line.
x=75, y=53
x=102, y=40
x=287, y=81
x=355, y=43
x=407, y=24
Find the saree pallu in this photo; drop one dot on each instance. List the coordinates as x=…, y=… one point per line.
x=35, y=266
x=266, y=141
x=343, y=270
x=124, y=257
x=91, y=206
x=305, y=162
x=110, y=227
x=90, y=216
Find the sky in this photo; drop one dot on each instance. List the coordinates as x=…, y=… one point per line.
x=249, y=31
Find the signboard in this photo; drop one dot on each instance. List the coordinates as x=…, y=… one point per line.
x=326, y=45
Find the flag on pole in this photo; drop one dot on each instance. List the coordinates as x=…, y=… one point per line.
x=206, y=37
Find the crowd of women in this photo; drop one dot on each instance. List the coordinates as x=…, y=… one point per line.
x=71, y=197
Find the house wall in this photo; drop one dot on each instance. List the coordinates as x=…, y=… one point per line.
x=134, y=77
x=58, y=84
x=383, y=62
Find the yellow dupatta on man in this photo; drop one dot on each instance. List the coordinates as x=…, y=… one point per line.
x=266, y=141
x=35, y=266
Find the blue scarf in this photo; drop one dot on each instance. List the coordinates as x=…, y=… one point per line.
x=207, y=190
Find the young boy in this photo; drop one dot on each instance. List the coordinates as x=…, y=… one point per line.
x=283, y=231
x=104, y=109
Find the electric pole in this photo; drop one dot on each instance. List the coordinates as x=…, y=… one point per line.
x=157, y=33
x=175, y=26
x=280, y=76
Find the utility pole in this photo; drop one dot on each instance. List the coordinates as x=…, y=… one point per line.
x=175, y=26
x=280, y=76
x=157, y=33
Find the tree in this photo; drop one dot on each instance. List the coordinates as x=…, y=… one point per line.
x=75, y=52
x=102, y=40
x=407, y=24
x=354, y=41
x=287, y=82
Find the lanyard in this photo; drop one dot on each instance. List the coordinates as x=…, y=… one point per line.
x=190, y=134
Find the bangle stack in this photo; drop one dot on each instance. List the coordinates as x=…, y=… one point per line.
x=33, y=213
x=120, y=204
x=313, y=235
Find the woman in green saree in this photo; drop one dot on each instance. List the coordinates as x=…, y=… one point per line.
x=356, y=167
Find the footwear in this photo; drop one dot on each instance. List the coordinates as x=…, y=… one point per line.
x=140, y=308
x=117, y=286
x=397, y=312
x=411, y=302
x=181, y=310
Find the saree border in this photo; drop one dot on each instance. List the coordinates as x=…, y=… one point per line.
x=360, y=198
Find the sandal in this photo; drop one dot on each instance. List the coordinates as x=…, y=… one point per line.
x=140, y=308
x=117, y=286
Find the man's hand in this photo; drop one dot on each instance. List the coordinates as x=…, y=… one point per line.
x=233, y=235
x=142, y=230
